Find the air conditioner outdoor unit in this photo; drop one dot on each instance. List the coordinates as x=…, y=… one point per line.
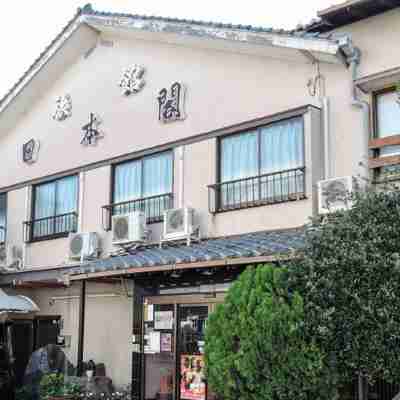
x=11, y=257
x=129, y=228
x=83, y=246
x=334, y=194
x=178, y=223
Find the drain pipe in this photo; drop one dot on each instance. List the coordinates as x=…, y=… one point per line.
x=328, y=150
x=354, y=61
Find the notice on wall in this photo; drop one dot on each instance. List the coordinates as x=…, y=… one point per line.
x=152, y=342
x=148, y=312
x=163, y=320
x=193, y=386
x=166, y=342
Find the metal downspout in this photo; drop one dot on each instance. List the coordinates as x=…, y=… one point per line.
x=354, y=61
x=328, y=156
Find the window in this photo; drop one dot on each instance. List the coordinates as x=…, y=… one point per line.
x=54, y=208
x=387, y=119
x=3, y=216
x=263, y=165
x=144, y=184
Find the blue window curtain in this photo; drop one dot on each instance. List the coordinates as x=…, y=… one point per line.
x=54, y=199
x=282, y=148
x=239, y=159
x=3, y=217
x=141, y=179
x=128, y=181
x=271, y=149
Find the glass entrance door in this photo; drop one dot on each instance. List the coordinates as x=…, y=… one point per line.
x=192, y=320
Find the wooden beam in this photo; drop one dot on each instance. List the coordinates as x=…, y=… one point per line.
x=171, y=267
x=81, y=327
x=379, y=162
x=382, y=142
x=39, y=285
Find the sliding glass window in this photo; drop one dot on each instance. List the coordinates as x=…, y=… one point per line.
x=144, y=184
x=55, y=208
x=262, y=165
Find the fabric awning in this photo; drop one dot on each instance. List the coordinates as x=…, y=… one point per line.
x=16, y=304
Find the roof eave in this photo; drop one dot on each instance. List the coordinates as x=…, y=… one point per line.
x=330, y=49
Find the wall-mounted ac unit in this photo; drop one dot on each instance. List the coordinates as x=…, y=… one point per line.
x=129, y=228
x=334, y=194
x=11, y=257
x=83, y=246
x=178, y=223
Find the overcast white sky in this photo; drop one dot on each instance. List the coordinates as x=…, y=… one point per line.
x=28, y=26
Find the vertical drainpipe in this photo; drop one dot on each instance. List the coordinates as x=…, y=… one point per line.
x=328, y=150
x=354, y=61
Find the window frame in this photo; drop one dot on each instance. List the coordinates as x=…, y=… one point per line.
x=141, y=159
x=377, y=172
x=258, y=129
x=31, y=237
x=5, y=194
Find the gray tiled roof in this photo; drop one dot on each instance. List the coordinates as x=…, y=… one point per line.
x=247, y=245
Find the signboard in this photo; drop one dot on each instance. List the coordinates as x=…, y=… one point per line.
x=163, y=320
x=166, y=342
x=192, y=386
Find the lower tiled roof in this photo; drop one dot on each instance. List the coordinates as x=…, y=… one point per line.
x=249, y=245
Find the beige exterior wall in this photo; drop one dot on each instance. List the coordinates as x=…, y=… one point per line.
x=108, y=324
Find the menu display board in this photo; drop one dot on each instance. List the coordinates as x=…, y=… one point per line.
x=192, y=386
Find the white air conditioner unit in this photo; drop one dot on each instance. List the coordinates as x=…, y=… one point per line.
x=11, y=257
x=334, y=194
x=129, y=228
x=83, y=246
x=3, y=255
x=178, y=223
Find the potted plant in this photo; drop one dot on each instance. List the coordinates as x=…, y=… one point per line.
x=53, y=387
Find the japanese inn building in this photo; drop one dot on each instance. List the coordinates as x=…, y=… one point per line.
x=146, y=161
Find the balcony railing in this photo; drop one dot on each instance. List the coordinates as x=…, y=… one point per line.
x=153, y=208
x=2, y=234
x=50, y=227
x=259, y=190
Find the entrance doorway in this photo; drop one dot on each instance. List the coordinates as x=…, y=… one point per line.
x=174, y=350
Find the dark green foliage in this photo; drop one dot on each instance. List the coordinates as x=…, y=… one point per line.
x=350, y=282
x=255, y=346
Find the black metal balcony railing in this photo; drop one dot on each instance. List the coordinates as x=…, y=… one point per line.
x=259, y=190
x=153, y=208
x=2, y=234
x=50, y=227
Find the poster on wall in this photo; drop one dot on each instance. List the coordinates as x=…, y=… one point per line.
x=192, y=385
x=166, y=342
x=163, y=320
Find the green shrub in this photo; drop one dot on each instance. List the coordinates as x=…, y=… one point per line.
x=53, y=385
x=255, y=344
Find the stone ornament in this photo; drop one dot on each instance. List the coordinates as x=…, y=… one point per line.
x=63, y=108
x=132, y=80
x=170, y=103
x=91, y=132
x=30, y=151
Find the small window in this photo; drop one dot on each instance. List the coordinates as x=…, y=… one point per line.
x=387, y=119
x=3, y=217
x=55, y=208
x=263, y=165
x=144, y=184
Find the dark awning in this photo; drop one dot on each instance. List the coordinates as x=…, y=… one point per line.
x=241, y=249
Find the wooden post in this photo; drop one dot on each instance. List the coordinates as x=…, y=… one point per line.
x=81, y=328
